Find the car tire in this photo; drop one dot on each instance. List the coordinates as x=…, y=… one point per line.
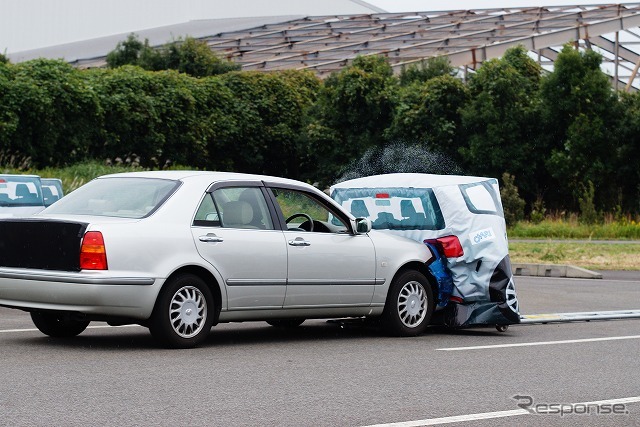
x=286, y=323
x=409, y=305
x=58, y=324
x=183, y=315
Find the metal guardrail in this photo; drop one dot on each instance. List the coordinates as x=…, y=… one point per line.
x=579, y=317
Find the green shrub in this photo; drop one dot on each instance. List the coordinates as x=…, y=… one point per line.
x=512, y=203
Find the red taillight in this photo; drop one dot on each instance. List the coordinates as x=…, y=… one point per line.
x=449, y=246
x=382, y=195
x=457, y=300
x=93, y=255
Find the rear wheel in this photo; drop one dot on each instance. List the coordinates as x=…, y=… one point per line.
x=409, y=305
x=183, y=314
x=58, y=324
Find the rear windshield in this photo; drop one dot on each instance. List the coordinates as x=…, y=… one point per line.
x=19, y=190
x=117, y=197
x=393, y=208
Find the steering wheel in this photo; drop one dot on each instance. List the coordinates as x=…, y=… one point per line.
x=300, y=214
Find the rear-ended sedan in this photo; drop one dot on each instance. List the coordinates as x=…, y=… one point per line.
x=180, y=251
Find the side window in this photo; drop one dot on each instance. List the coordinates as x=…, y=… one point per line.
x=242, y=207
x=303, y=212
x=207, y=214
x=481, y=198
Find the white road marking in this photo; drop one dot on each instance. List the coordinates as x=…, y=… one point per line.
x=531, y=344
x=456, y=419
x=498, y=414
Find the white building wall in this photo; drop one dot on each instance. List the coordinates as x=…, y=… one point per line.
x=33, y=24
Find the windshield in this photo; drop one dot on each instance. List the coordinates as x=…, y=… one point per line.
x=117, y=197
x=20, y=190
x=51, y=190
x=393, y=208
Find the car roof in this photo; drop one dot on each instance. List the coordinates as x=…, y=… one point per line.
x=20, y=175
x=415, y=180
x=213, y=176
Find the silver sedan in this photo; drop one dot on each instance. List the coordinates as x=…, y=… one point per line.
x=180, y=251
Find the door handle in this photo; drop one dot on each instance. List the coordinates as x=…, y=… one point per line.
x=299, y=242
x=210, y=238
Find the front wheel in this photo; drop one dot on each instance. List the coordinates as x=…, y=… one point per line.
x=409, y=305
x=58, y=324
x=183, y=315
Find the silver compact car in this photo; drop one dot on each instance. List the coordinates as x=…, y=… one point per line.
x=180, y=251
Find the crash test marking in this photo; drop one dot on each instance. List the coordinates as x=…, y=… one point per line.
x=498, y=414
x=531, y=344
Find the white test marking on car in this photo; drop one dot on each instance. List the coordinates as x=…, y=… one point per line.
x=4, y=331
x=531, y=344
x=497, y=414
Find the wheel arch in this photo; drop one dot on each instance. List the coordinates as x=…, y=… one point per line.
x=422, y=268
x=208, y=278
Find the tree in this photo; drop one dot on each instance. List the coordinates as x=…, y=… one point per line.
x=502, y=121
x=354, y=107
x=512, y=203
x=150, y=114
x=580, y=112
x=188, y=56
x=127, y=52
x=428, y=113
x=426, y=70
x=272, y=107
x=49, y=112
x=627, y=155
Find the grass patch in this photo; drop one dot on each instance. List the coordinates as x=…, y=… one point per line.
x=572, y=229
x=594, y=256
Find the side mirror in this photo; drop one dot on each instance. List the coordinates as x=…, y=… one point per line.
x=363, y=225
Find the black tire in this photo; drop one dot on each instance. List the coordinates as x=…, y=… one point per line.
x=409, y=305
x=286, y=323
x=58, y=324
x=183, y=315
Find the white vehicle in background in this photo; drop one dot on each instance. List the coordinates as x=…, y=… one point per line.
x=51, y=190
x=20, y=195
x=461, y=219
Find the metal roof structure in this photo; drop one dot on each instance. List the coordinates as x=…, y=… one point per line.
x=93, y=52
x=325, y=44
x=328, y=43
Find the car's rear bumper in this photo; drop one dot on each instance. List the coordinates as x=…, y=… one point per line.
x=92, y=293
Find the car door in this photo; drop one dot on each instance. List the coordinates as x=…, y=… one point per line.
x=234, y=231
x=328, y=266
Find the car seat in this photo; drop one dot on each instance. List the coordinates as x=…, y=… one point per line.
x=237, y=215
x=23, y=193
x=359, y=209
x=410, y=217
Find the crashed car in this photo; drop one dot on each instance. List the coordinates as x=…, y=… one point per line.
x=460, y=219
x=180, y=251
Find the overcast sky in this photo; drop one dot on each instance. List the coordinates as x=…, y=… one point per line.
x=430, y=5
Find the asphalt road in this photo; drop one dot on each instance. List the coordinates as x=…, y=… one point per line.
x=322, y=374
